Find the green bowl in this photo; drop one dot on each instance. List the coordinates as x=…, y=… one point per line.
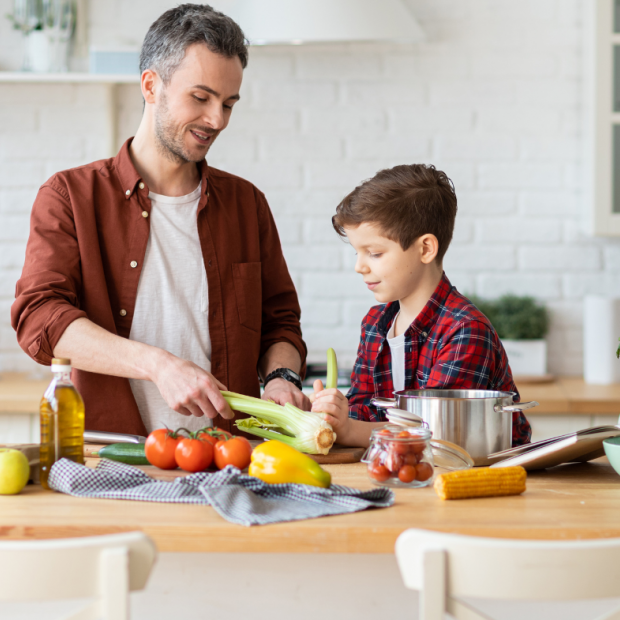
x=612, y=450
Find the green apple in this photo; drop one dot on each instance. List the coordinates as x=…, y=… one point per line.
x=14, y=471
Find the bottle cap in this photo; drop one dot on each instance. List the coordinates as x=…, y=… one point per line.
x=61, y=361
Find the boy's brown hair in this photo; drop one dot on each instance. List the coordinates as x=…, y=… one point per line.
x=406, y=202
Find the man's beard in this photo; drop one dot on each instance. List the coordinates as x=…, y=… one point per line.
x=170, y=137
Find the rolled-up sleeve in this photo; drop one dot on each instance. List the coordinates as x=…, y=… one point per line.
x=280, y=306
x=47, y=294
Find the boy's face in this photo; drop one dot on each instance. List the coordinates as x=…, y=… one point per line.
x=390, y=272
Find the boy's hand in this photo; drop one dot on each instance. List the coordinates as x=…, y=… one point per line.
x=334, y=404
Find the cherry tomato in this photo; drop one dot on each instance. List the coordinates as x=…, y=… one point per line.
x=377, y=471
x=194, y=454
x=407, y=473
x=385, y=431
x=160, y=447
x=236, y=451
x=418, y=447
x=402, y=447
x=423, y=471
x=411, y=458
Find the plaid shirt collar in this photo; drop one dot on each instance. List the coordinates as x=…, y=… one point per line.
x=425, y=321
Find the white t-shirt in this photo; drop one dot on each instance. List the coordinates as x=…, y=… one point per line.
x=172, y=306
x=397, y=348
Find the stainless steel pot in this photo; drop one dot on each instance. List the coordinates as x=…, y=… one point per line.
x=480, y=421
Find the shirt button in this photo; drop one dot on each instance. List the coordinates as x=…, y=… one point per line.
x=123, y=312
x=133, y=263
x=141, y=186
x=145, y=213
x=424, y=334
x=128, y=192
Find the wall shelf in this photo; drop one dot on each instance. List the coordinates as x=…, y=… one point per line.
x=109, y=81
x=20, y=77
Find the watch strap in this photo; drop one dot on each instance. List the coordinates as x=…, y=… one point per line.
x=284, y=373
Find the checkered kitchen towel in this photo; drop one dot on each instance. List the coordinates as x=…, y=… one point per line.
x=237, y=497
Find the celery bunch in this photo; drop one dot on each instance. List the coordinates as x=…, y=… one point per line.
x=304, y=430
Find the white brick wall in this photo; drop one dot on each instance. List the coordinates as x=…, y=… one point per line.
x=493, y=98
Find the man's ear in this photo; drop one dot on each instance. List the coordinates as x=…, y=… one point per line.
x=429, y=247
x=149, y=83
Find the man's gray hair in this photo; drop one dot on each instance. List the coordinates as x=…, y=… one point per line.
x=173, y=32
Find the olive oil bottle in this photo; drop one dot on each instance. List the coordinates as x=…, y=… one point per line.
x=62, y=420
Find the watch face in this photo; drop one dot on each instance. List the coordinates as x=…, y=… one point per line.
x=293, y=374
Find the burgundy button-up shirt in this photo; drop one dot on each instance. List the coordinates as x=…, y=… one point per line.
x=89, y=223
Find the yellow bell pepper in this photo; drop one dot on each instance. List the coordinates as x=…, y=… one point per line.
x=276, y=463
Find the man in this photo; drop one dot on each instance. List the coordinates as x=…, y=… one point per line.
x=161, y=278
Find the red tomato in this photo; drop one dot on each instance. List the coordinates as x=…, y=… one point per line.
x=407, y=473
x=236, y=451
x=160, y=447
x=194, y=454
x=423, y=471
x=377, y=471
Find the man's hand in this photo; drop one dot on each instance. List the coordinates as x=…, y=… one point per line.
x=282, y=391
x=190, y=390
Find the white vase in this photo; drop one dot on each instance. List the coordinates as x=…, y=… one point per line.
x=39, y=52
x=526, y=357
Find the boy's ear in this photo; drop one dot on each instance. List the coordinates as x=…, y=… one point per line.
x=429, y=247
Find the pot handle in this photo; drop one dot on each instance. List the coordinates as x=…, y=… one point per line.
x=517, y=406
x=384, y=403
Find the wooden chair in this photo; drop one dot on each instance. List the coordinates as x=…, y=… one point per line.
x=447, y=567
x=106, y=568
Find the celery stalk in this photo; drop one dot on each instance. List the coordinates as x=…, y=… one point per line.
x=304, y=430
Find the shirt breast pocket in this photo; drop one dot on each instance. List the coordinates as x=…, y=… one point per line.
x=248, y=292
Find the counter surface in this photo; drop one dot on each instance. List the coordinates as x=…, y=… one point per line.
x=567, y=502
x=561, y=396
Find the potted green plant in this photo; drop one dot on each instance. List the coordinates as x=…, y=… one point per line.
x=522, y=324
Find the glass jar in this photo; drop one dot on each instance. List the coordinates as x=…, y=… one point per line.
x=400, y=457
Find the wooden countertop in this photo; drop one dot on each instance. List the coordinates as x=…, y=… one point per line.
x=567, y=502
x=563, y=396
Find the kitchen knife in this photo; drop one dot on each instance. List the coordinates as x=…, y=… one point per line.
x=108, y=437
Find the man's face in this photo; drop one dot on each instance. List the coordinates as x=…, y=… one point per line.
x=390, y=272
x=195, y=106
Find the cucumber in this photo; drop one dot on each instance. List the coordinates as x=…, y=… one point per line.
x=130, y=453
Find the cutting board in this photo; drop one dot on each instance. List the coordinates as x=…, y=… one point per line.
x=338, y=454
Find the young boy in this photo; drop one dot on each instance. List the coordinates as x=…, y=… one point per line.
x=425, y=335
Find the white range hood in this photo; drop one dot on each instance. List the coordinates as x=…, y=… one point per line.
x=295, y=22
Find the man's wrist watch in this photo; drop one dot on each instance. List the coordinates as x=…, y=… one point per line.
x=284, y=373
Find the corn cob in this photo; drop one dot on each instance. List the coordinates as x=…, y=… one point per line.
x=481, y=482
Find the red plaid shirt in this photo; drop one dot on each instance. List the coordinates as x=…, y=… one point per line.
x=450, y=345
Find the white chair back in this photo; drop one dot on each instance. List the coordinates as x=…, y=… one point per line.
x=447, y=567
x=106, y=568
